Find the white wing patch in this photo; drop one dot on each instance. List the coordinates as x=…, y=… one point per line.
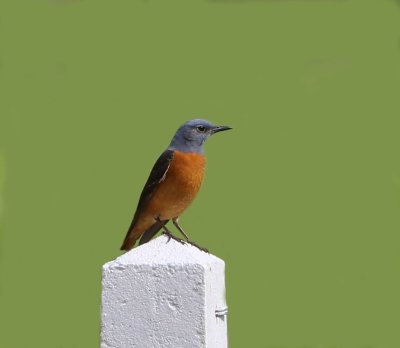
x=165, y=173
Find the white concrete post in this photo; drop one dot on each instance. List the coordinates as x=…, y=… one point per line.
x=164, y=295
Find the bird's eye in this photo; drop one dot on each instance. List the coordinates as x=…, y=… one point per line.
x=201, y=129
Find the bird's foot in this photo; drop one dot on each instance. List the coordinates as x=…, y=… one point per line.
x=170, y=235
x=197, y=246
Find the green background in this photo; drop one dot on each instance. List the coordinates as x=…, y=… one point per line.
x=301, y=199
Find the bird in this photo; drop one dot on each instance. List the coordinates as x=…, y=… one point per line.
x=173, y=183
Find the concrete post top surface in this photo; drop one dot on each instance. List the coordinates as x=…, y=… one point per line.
x=163, y=250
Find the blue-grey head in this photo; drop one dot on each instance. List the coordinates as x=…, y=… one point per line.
x=191, y=136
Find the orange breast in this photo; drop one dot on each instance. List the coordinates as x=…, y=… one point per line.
x=181, y=184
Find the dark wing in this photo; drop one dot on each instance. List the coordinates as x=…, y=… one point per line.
x=157, y=175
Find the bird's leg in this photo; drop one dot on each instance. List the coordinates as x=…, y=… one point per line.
x=175, y=221
x=167, y=232
x=165, y=229
x=180, y=229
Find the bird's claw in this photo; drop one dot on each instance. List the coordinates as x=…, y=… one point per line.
x=197, y=246
x=170, y=235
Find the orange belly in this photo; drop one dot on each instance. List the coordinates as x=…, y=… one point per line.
x=177, y=191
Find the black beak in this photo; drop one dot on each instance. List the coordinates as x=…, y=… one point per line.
x=220, y=129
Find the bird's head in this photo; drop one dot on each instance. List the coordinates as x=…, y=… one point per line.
x=191, y=136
